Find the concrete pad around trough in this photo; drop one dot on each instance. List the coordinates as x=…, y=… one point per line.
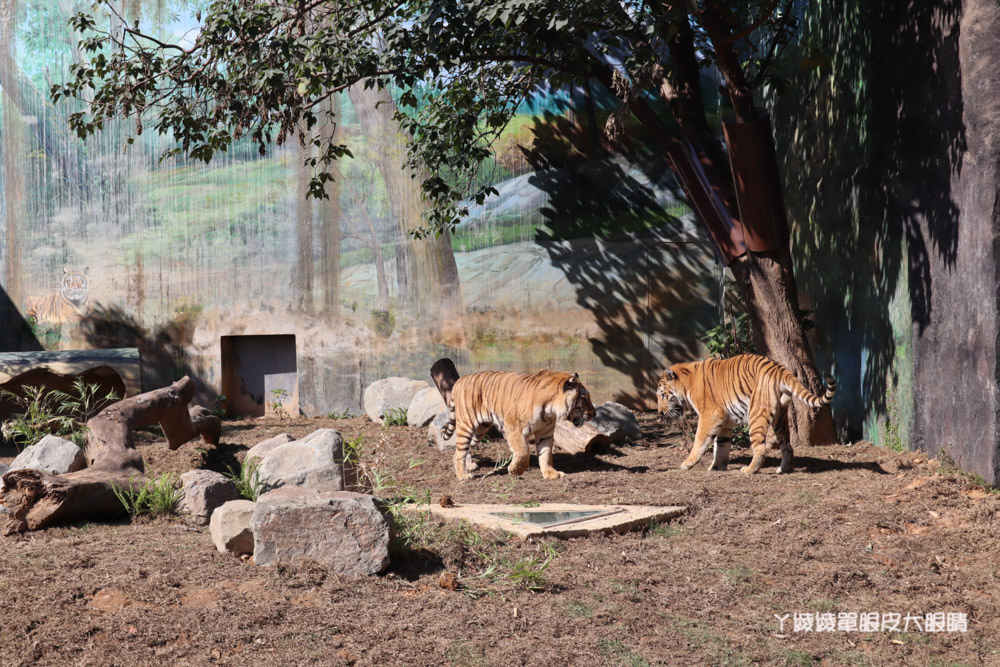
x=556, y=519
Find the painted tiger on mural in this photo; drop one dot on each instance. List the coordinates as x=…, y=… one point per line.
x=524, y=407
x=746, y=389
x=67, y=305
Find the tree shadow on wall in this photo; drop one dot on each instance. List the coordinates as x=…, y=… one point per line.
x=869, y=163
x=643, y=274
x=161, y=351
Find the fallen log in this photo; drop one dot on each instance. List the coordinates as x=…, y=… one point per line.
x=36, y=499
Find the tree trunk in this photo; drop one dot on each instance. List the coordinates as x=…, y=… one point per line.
x=37, y=499
x=429, y=273
x=330, y=215
x=768, y=287
x=13, y=132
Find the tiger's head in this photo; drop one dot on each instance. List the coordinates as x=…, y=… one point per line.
x=75, y=285
x=671, y=394
x=580, y=408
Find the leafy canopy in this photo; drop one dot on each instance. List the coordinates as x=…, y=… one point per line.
x=457, y=70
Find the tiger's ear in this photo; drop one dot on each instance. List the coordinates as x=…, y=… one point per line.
x=573, y=379
x=669, y=374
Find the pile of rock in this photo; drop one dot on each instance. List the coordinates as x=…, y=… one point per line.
x=307, y=512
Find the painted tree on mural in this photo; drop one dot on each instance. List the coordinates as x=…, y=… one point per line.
x=455, y=73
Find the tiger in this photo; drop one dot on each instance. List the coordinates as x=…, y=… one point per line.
x=68, y=305
x=745, y=389
x=525, y=407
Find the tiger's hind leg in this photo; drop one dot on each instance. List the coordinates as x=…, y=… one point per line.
x=545, y=448
x=465, y=437
x=779, y=429
x=759, y=419
x=720, y=452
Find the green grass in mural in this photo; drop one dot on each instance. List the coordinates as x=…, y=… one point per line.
x=212, y=202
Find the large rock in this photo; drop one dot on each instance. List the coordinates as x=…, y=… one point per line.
x=230, y=527
x=617, y=422
x=315, y=461
x=204, y=491
x=434, y=436
x=266, y=446
x=344, y=531
x=394, y=393
x=52, y=454
x=425, y=406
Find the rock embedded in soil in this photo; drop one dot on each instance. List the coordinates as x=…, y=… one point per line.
x=204, y=491
x=425, y=406
x=230, y=527
x=315, y=461
x=341, y=530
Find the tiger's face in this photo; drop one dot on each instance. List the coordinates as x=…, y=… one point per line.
x=582, y=409
x=671, y=398
x=75, y=286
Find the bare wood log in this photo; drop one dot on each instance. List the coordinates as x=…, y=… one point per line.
x=571, y=439
x=36, y=499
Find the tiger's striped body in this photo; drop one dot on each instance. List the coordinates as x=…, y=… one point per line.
x=68, y=305
x=746, y=389
x=524, y=407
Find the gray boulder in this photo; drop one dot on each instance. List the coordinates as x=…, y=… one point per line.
x=230, y=527
x=204, y=491
x=394, y=393
x=315, y=461
x=265, y=446
x=426, y=404
x=51, y=454
x=344, y=531
x=434, y=436
x=617, y=422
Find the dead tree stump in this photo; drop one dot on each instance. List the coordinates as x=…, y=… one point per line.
x=36, y=499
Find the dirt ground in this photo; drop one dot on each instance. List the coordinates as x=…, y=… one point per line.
x=854, y=530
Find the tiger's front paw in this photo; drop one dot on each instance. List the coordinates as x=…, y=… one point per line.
x=553, y=474
x=747, y=470
x=685, y=466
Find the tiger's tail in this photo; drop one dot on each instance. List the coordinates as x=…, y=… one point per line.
x=444, y=374
x=812, y=400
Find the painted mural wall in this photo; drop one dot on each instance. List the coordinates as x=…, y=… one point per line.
x=582, y=262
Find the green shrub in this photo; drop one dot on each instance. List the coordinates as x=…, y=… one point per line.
x=247, y=479
x=50, y=411
x=159, y=496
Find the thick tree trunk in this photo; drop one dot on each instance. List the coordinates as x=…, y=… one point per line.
x=37, y=499
x=769, y=291
x=428, y=274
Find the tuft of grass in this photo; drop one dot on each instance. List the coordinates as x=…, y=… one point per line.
x=394, y=417
x=619, y=653
x=50, y=411
x=247, y=479
x=157, y=497
x=345, y=414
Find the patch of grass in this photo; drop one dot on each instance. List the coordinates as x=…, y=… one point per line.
x=394, y=417
x=50, y=411
x=465, y=654
x=278, y=398
x=344, y=414
x=796, y=658
x=577, y=609
x=665, y=530
x=247, y=479
x=159, y=496
x=616, y=651
x=950, y=467
x=822, y=605
x=737, y=575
